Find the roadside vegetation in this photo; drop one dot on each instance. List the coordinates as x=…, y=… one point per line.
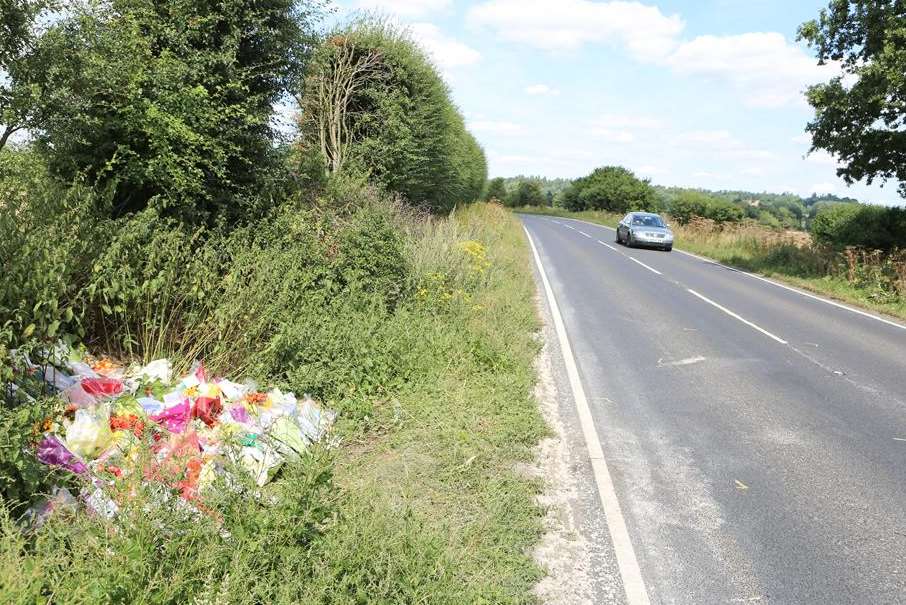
x=157, y=211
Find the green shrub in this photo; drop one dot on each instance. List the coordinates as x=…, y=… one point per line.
x=527, y=193
x=49, y=237
x=394, y=121
x=689, y=203
x=171, y=105
x=860, y=225
x=22, y=477
x=612, y=188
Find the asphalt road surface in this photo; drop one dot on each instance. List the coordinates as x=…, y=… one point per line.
x=755, y=437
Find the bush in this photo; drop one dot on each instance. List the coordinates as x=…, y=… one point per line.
x=171, y=105
x=49, y=237
x=375, y=104
x=689, y=204
x=496, y=190
x=860, y=225
x=613, y=188
x=527, y=193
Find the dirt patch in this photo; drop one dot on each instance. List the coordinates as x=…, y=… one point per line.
x=563, y=552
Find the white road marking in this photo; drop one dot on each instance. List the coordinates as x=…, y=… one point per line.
x=608, y=245
x=899, y=439
x=635, y=260
x=585, y=234
x=682, y=362
x=735, y=316
x=630, y=573
x=801, y=292
x=766, y=280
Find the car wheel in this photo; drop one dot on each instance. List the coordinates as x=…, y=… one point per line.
x=668, y=248
x=619, y=239
x=629, y=242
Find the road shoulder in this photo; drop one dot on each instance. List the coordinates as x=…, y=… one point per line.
x=575, y=551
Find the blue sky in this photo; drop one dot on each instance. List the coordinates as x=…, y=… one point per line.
x=703, y=93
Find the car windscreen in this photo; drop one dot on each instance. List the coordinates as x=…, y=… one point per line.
x=647, y=221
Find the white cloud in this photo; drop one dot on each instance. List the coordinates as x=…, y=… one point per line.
x=614, y=136
x=823, y=188
x=402, y=8
x=643, y=30
x=447, y=52
x=802, y=139
x=541, y=90
x=513, y=159
x=621, y=128
x=626, y=121
x=714, y=138
x=822, y=158
x=499, y=127
x=763, y=67
x=649, y=170
x=722, y=142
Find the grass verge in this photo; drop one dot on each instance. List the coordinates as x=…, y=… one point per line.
x=854, y=280
x=421, y=503
x=434, y=509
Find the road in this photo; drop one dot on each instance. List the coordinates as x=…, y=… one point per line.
x=755, y=437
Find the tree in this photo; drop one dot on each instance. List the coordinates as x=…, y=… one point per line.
x=860, y=225
x=21, y=65
x=376, y=105
x=170, y=104
x=496, y=190
x=863, y=124
x=688, y=204
x=612, y=188
x=527, y=193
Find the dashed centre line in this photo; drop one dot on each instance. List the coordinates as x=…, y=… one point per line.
x=691, y=291
x=735, y=316
x=635, y=260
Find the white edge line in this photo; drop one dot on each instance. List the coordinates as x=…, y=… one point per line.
x=735, y=316
x=767, y=280
x=608, y=245
x=635, y=260
x=630, y=573
x=833, y=303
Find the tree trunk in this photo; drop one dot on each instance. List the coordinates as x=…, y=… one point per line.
x=7, y=132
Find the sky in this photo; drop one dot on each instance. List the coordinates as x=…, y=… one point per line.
x=693, y=93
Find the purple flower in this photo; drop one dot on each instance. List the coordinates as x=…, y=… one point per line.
x=53, y=453
x=240, y=414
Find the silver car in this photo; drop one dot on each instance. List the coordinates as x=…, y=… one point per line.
x=645, y=229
